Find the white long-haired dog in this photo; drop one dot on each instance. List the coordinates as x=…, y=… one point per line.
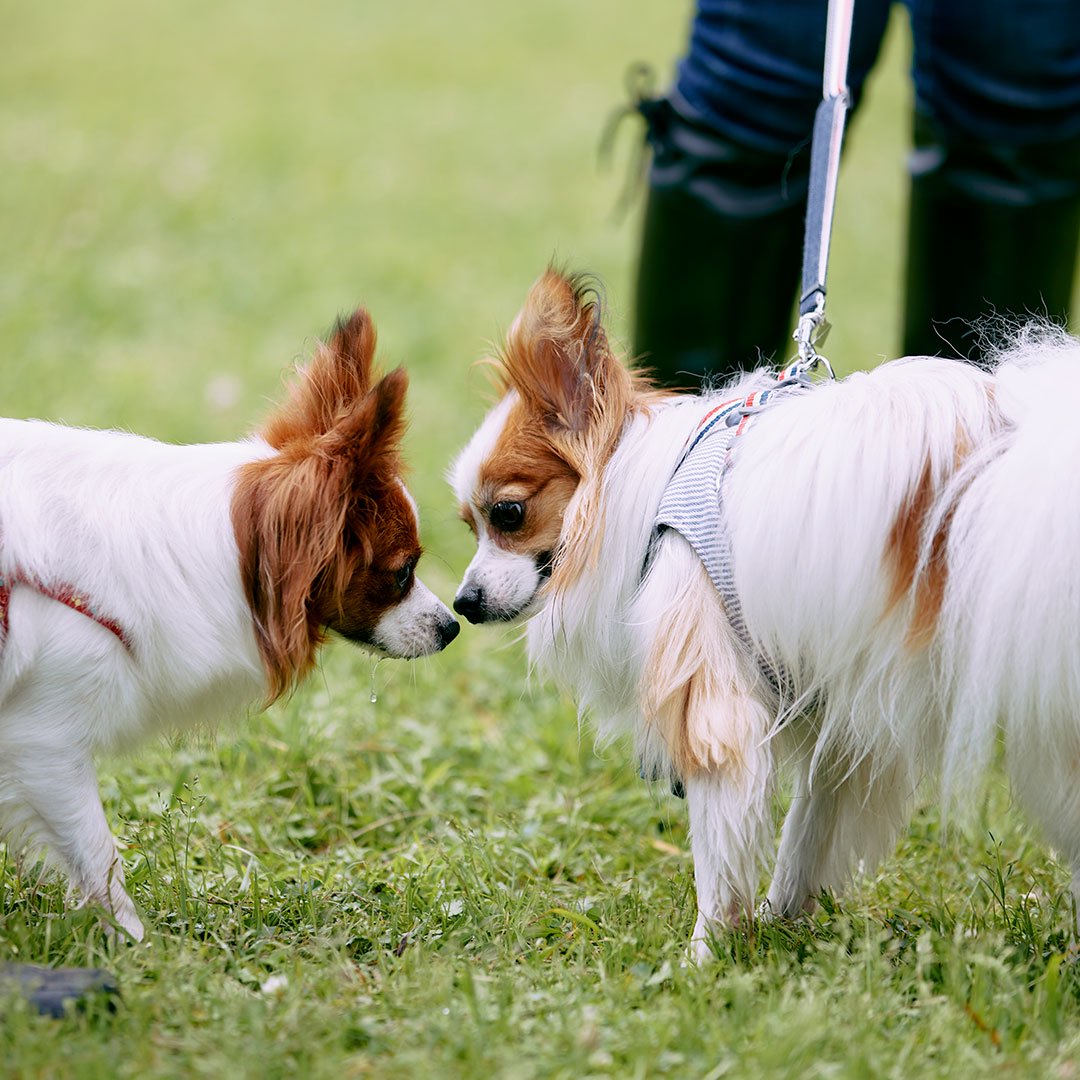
x=145, y=587
x=894, y=581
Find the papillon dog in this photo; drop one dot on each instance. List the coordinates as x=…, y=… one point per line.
x=863, y=580
x=145, y=587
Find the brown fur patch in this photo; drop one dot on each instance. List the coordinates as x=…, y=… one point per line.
x=524, y=467
x=905, y=544
x=323, y=524
x=905, y=539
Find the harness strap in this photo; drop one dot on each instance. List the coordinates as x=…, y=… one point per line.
x=64, y=594
x=693, y=501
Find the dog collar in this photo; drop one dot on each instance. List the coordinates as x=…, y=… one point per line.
x=64, y=594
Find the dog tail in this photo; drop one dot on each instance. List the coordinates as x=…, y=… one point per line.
x=1010, y=620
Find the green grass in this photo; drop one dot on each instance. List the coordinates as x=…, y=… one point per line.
x=448, y=882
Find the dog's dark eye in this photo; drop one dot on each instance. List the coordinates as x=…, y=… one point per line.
x=508, y=516
x=403, y=576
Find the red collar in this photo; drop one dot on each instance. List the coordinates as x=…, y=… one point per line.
x=64, y=594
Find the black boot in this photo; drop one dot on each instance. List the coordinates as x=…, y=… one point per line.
x=992, y=231
x=720, y=253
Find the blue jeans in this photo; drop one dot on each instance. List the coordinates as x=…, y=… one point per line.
x=987, y=70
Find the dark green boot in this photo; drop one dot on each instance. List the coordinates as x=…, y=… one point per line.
x=720, y=253
x=992, y=232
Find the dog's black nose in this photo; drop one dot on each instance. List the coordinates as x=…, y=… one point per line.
x=470, y=603
x=448, y=631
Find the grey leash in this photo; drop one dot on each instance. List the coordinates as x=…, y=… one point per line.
x=828, y=138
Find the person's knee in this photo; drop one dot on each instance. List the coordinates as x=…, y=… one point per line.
x=999, y=171
x=753, y=71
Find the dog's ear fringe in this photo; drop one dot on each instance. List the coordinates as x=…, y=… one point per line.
x=327, y=389
x=289, y=520
x=560, y=362
x=557, y=354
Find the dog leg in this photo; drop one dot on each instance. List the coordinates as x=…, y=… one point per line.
x=838, y=816
x=804, y=846
x=730, y=833
x=699, y=703
x=64, y=813
x=1044, y=767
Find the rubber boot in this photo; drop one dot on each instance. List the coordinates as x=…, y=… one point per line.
x=992, y=237
x=720, y=253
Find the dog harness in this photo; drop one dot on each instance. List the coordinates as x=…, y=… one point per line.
x=693, y=505
x=693, y=501
x=63, y=594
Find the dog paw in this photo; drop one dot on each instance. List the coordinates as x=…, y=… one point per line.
x=120, y=921
x=699, y=952
x=702, y=943
x=125, y=924
x=130, y=926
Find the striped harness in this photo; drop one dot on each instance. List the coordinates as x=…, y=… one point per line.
x=693, y=501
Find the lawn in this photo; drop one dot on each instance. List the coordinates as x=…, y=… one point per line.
x=426, y=870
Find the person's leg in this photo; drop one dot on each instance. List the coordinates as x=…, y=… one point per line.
x=722, y=238
x=995, y=169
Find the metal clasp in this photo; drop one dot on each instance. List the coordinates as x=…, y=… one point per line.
x=811, y=331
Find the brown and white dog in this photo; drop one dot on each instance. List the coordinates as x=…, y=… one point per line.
x=901, y=584
x=145, y=587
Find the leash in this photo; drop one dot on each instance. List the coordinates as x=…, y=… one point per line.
x=825, y=148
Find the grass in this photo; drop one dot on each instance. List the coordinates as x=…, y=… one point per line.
x=449, y=881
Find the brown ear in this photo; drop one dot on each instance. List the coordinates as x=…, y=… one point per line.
x=288, y=517
x=557, y=355
x=369, y=437
x=330, y=386
x=290, y=513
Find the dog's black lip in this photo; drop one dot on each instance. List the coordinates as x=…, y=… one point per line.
x=545, y=563
x=493, y=615
x=356, y=637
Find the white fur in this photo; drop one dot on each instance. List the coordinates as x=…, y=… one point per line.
x=143, y=530
x=463, y=472
x=411, y=628
x=508, y=581
x=816, y=485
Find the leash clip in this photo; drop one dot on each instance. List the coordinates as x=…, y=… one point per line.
x=811, y=331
